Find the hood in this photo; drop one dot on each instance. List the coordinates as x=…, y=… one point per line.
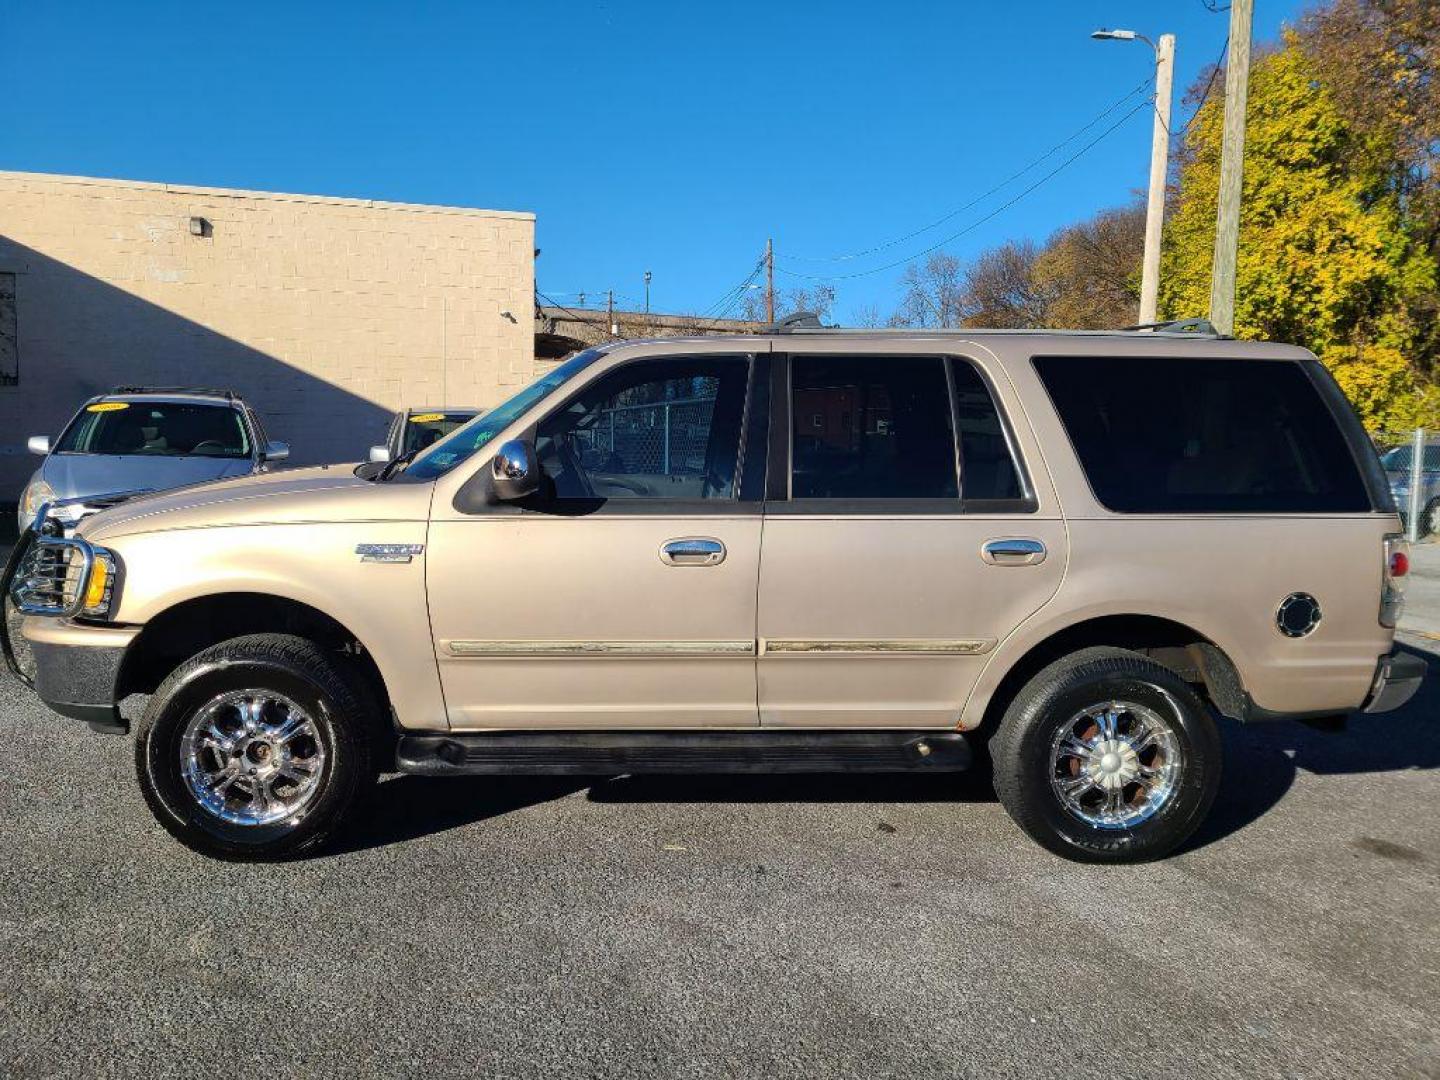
x=78, y=475
x=326, y=493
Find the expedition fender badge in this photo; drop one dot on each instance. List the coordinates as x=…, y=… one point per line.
x=388, y=553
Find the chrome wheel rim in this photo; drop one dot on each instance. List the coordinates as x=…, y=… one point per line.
x=252, y=758
x=1115, y=764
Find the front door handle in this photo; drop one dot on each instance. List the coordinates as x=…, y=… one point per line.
x=1013, y=551
x=692, y=551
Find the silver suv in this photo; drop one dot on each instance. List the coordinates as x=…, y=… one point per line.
x=142, y=439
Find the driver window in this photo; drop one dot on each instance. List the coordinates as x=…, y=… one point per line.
x=656, y=429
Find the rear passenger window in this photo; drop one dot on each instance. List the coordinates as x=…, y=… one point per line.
x=987, y=468
x=1158, y=435
x=870, y=427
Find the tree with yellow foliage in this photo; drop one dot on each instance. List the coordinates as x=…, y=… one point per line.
x=1327, y=258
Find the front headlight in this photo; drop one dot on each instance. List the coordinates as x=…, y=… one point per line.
x=100, y=590
x=36, y=495
x=99, y=586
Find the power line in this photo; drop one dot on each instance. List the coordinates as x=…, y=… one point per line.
x=732, y=296
x=1210, y=85
x=573, y=315
x=988, y=217
x=1142, y=85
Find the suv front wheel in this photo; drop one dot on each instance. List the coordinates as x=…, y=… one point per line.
x=255, y=748
x=1107, y=756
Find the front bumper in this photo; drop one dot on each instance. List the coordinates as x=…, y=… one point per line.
x=77, y=669
x=1397, y=679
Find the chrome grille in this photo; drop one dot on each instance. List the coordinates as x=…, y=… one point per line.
x=52, y=576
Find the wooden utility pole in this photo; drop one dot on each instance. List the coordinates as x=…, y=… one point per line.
x=769, y=281
x=1232, y=167
x=610, y=313
x=1159, y=166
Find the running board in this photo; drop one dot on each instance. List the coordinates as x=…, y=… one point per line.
x=608, y=753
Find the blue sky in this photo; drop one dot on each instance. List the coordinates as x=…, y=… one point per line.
x=672, y=137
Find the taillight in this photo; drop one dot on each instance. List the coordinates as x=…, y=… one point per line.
x=1397, y=565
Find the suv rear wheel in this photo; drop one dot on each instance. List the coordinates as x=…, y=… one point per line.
x=255, y=748
x=1107, y=756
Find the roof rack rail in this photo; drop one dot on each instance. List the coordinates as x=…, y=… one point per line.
x=1202, y=327
x=228, y=395
x=800, y=320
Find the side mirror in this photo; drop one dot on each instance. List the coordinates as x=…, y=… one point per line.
x=379, y=453
x=515, y=471
x=276, y=451
x=39, y=444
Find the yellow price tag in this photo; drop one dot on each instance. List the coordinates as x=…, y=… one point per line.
x=427, y=417
x=108, y=406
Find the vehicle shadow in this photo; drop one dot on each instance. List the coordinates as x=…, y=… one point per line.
x=404, y=808
x=1261, y=760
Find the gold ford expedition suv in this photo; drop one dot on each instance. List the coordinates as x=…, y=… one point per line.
x=1062, y=554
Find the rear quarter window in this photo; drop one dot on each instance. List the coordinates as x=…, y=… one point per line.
x=1166, y=435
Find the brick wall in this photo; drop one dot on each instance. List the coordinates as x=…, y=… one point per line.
x=327, y=314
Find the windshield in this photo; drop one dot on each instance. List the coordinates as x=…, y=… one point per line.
x=461, y=444
x=424, y=429
x=156, y=429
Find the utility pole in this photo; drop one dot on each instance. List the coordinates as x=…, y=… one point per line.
x=1232, y=166
x=647, y=292
x=769, y=282
x=1164, y=51
x=610, y=313
x=1159, y=166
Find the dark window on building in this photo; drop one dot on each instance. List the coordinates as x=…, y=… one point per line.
x=658, y=429
x=987, y=468
x=9, y=333
x=1160, y=435
x=871, y=427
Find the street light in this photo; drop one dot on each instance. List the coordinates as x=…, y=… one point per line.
x=1159, y=162
x=647, y=292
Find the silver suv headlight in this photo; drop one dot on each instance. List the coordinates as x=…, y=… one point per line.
x=36, y=494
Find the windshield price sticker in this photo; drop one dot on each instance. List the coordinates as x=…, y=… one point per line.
x=108, y=406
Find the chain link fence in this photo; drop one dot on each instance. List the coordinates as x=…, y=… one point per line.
x=666, y=438
x=1411, y=458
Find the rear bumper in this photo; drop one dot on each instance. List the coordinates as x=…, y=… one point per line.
x=1397, y=678
x=77, y=669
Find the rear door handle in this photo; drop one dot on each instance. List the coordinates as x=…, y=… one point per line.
x=692, y=551
x=1013, y=551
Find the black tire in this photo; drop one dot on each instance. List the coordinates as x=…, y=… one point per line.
x=345, y=722
x=1022, y=749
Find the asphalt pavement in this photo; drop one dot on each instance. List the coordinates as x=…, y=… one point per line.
x=730, y=926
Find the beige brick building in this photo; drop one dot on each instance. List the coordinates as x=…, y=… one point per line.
x=325, y=313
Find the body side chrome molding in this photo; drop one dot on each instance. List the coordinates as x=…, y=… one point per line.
x=875, y=646
x=549, y=648
x=764, y=647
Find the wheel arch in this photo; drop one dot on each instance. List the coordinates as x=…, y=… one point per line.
x=1192, y=655
x=192, y=625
